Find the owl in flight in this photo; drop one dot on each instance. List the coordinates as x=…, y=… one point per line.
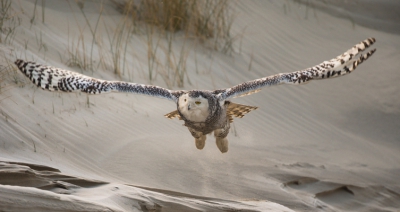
x=203, y=111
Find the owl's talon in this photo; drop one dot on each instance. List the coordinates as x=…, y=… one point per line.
x=200, y=142
x=222, y=144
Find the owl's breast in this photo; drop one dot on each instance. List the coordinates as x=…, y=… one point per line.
x=196, y=115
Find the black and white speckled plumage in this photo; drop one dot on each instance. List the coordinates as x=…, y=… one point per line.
x=220, y=110
x=55, y=79
x=339, y=66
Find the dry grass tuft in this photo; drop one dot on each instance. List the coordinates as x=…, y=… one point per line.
x=205, y=20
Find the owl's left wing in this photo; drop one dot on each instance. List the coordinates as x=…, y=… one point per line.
x=339, y=66
x=55, y=79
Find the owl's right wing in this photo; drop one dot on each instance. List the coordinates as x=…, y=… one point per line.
x=55, y=79
x=339, y=66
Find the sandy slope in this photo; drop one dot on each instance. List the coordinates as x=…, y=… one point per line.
x=330, y=145
x=41, y=188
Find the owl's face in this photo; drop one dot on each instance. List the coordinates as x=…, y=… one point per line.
x=194, y=108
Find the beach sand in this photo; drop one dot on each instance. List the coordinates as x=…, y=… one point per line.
x=330, y=145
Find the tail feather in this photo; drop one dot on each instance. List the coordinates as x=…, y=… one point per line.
x=238, y=110
x=173, y=114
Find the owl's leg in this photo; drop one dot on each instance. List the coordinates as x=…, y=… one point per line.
x=199, y=138
x=220, y=138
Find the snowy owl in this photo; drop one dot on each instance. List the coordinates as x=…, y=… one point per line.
x=203, y=111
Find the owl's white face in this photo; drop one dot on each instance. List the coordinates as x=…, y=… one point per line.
x=194, y=108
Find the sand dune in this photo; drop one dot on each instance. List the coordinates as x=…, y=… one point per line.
x=40, y=188
x=332, y=195
x=330, y=145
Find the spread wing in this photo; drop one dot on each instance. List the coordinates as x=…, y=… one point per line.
x=55, y=79
x=339, y=66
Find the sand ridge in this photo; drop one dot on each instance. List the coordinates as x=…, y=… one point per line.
x=40, y=188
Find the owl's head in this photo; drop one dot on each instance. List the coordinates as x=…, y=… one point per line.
x=193, y=106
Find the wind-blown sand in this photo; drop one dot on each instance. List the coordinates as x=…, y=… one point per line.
x=330, y=145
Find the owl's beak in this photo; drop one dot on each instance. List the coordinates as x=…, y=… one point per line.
x=189, y=106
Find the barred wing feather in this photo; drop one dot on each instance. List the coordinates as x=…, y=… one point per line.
x=338, y=66
x=55, y=79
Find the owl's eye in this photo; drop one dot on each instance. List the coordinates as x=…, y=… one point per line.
x=185, y=100
x=198, y=102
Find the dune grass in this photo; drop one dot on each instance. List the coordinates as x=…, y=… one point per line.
x=208, y=21
x=9, y=78
x=203, y=21
x=9, y=21
x=160, y=24
x=170, y=29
